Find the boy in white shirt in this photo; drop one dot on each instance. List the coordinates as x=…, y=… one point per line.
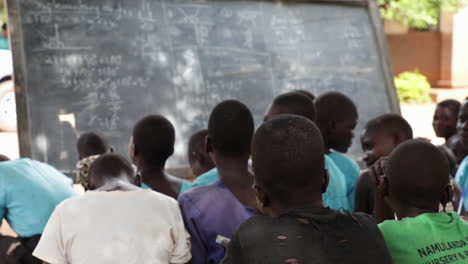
x=115, y=222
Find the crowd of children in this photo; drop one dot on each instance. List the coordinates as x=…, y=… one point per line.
x=284, y=193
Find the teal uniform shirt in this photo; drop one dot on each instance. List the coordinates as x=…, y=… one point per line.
x=29, y=192
x=351, y=172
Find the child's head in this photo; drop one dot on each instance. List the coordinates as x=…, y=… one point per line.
x=337, y=118
x=462, y=125
x=416, y=175
x=199, y=159
x=289, y=163
x=4, y=30
x=152, y=142
x=4, y=158
x=110, y=167
x=292, y=103
x=306, y=93
x=382, y=134
x=90, y=144
x=445, y=118
x=230, y=130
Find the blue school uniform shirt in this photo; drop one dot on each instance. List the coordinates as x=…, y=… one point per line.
x=206, y=178
x=351, y=172
x=209, y=211
x=29, y=192
x=185, y=186
x=462, y=179
x=4, y=43
x=336, y=195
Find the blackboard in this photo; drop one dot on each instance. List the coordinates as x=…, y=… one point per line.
x=87, y=65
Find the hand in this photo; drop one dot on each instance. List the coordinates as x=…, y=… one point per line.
x=377, y=173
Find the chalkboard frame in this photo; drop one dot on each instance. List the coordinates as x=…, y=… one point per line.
x=20, y=76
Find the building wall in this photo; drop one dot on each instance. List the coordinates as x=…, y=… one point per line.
x=416, y=50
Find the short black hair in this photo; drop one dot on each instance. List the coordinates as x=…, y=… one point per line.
x=309, y=95
x=295, y=103
x=288, y=156
x=417, y=172
x=4, y=26
x=230, y=128
x=390, y=124
x=333, y=106
x=197, y=142
x=111, y=165
x=451, y=104
x=4, y=158
x=154, y=138
x=90, y=144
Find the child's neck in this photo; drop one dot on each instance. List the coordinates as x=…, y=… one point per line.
x=150, y=173
x=405, y=210
x=234, y=173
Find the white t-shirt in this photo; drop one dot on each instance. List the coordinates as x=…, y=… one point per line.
x=129, y=227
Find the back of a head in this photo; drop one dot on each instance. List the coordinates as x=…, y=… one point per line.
x=333, y=106
x=451, y=104
x=306, y=93
x=4, y=158
x=391, y=124
x=197, y=142
x=90, y=144
x=295, y=103
x=109, y=166
x=418, y=173
x=154, y=138
x=288, y=156
x=230, y=128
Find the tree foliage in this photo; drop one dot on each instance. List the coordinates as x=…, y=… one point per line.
x=418, y=14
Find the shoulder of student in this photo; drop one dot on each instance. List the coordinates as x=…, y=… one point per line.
x=198, y=194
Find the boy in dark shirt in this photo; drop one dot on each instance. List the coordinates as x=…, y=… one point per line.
x=290, y=177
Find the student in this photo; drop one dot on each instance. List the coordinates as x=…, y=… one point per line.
x=380, y=137
x=151, y=145
x=90, y=146
x=297, y=104
x=29, y=192
x=116, y=222
x=199, y=159
x=413, y=182
x=4, y=44
x=445, y=119
x=462, y=126
x=337, y=118
x=459, y=149
x=290, y=177
x=215, y=211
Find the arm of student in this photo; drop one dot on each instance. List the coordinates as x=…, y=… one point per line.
x=362, y=194
x=181, y=250
x=189, y=214
x=382, y=209
x=51, y=247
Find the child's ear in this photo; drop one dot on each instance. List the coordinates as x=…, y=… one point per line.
x=208, y=145
x=383, y=186
x=138, y=180
x=263, y=199
x=325, y=181
x=447, y=195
